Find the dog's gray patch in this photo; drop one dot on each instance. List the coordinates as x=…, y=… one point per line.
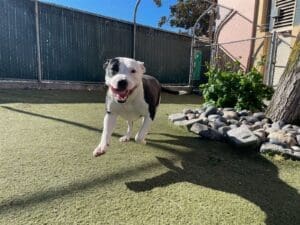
x=115, y=65
x=112, y=66
x=152, y=90
x=105, y=64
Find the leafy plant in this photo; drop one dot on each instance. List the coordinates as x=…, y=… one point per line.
x=227, y=88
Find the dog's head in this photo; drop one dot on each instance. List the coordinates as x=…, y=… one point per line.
x=123, y=75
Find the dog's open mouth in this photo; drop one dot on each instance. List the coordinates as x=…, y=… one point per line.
x=121, y=95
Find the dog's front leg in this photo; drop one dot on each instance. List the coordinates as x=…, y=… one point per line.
x=141, y=135
x=127, y=136
x=108, y=126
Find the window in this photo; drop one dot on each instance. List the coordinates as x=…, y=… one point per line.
x=283, y=14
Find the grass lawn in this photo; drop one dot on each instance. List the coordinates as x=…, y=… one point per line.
x=48, y=174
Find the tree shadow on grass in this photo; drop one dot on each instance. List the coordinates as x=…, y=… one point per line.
x=51, y=96
x=51, y=118
x=28, y=200
x=218, y=166
x=71, y=96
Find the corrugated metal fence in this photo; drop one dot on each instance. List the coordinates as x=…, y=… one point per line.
x=18, y=49
x=74, y=44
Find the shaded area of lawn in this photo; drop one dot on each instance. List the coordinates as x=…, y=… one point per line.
x=47, y=173
x=70, y=96
x=51, y=97
x=247, y=175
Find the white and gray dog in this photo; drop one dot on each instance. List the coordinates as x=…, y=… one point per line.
x=131, y=95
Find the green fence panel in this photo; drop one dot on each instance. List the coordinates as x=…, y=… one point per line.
x=74, y=45
x=198, y=65
x=166, y=55
x=18, y=52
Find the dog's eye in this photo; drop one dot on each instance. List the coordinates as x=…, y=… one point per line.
x=133, y=71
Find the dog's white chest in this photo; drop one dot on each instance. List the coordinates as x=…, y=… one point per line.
x=131, y=110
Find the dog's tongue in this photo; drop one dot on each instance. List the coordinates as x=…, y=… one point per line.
x=122, y=94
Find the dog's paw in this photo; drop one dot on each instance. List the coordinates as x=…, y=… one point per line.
x=143, y=142
x=124, y=139
x=140, y=141
x=100, y=150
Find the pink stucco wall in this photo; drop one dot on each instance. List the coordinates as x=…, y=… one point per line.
x=239, y=27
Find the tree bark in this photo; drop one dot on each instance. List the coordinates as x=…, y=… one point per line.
x=285, y=103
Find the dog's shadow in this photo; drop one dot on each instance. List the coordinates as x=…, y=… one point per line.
x=220, y=167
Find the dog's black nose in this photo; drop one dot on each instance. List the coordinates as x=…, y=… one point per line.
x=122, y=84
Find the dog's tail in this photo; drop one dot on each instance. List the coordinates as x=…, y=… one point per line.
x=173, y=92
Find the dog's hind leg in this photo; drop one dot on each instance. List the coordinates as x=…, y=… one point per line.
x=127, y=136
x=141, y=135
x=108, y=126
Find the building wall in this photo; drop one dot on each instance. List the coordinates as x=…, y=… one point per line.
x=261, y=45
x=296, y=28
x=239, y=27
x=254, y=18
x=286, y=39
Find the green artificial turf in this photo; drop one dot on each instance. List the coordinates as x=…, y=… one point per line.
x=48, y=174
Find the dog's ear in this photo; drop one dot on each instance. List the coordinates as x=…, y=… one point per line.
x=143, y=68
x=105, y=64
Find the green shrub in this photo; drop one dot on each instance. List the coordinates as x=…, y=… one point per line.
x=241, y=90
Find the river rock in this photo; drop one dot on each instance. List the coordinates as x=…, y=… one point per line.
x=217, y=124
x=220, y=112
x=230, y=115
x=287, y=127
x=243, y=137
x=191, y=116
x=261, y=134
x=266, y=120
x=278, y=124
x=296, y=127
x=269, y=147
x=213, y=117
x=233, y=126
x=197, y=128
x=291, y=131
x=255, y=127
x=228, y=109
x=199, y=111
x=210, y=110
x=268, y=125
x=187, y=123
x=243, y=113
x=296, y=151
x=233, y=121
x=296, y=148
x=187, y=111
x=223, y=130
x=177, y=117
x=282, y=138
x=206, y=132
x=298, y=139
x=259, y=123
x=270, y=130
x=259, y=115
x=222, y=119
x=251, y=119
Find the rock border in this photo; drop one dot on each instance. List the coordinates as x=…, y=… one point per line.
x=241, y=128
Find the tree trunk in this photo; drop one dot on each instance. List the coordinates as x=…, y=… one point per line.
x=285, y=103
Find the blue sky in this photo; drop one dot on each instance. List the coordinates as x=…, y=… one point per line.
x=148, y=13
